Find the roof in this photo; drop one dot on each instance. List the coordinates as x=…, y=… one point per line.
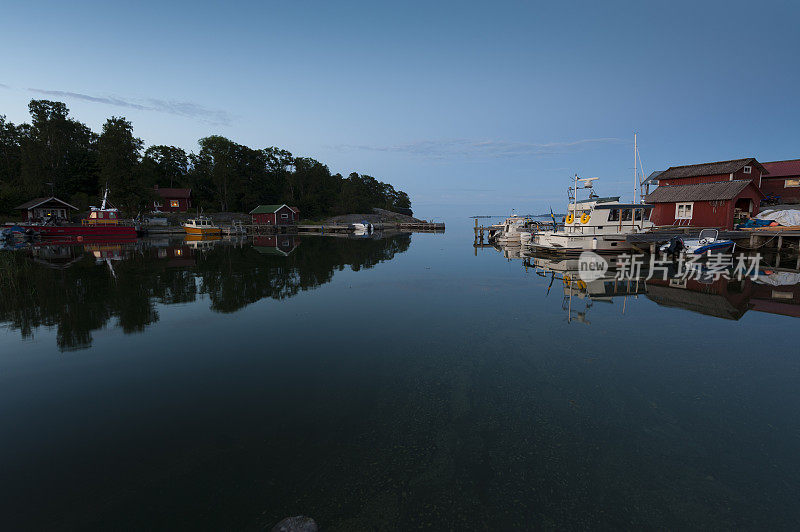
x=268, y=209
x=170, y=193
x=653, y=178
x=720, y=167
x=38, y=201
x=270, y=250
x=783, y=168
x=721, y=190
x=295, y=209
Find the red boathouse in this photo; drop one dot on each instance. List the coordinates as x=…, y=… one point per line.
x=782, y=184
x=275, y=215
x=173, y=199
x=716, y=194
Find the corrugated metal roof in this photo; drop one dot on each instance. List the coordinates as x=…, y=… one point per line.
x=783, y=168
x=720, y=167
x=267, y=209
x=721, y=190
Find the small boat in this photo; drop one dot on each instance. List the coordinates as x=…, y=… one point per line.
x=510, y=232
x=363, y=228
x=201, y=226
x=706, y=243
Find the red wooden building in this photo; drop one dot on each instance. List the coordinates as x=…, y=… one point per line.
x=782, y=184
x=41, y=209
x=173, y=199
x=708, y=195
x=275, y=215
x=280, y=245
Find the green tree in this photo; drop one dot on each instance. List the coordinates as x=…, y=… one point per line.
x=57, y=153
x=165, y=166
x=119, y=154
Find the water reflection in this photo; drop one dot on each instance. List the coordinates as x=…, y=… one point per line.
x=78, y=289
x=776, y=290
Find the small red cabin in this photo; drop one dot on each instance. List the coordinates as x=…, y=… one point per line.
x=708, y=195
x=275, y=215
x=173, y=199
x=782, y=183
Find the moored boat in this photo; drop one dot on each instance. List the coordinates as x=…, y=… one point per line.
x=706, y=243
x=201, y=226
x=102, y=221
x=595, y=223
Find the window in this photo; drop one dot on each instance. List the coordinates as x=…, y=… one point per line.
x=174, y=203
x=627, y=215
x=683, y=211
x=613, y=215
x=284, y=216
x=748, y=169
x=637, y=215
x=791, y=183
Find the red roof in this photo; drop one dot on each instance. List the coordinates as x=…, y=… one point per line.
x=174, y=193
x=783, y=168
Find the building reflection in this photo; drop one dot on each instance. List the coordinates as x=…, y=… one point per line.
x=774, y=291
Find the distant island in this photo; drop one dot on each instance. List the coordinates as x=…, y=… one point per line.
x=56, y=155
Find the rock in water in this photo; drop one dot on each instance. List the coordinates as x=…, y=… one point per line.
x=298, y=523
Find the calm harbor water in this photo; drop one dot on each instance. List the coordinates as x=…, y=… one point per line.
x=387, y=383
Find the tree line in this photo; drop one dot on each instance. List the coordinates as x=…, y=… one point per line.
x=57, y=155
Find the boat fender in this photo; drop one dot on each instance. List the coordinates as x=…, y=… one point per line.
x=570, y=218
x=585, y=218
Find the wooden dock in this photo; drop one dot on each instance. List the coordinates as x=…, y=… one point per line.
x=774, y=238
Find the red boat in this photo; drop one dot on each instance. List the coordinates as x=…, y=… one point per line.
x=103, y=221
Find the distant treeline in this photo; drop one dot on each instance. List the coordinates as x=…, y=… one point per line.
x=60, y=155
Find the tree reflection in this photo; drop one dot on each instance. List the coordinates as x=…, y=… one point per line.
x=79, y=289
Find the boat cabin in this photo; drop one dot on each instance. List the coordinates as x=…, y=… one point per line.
x=606, y=216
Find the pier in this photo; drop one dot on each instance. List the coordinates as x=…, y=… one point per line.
x=775, y=239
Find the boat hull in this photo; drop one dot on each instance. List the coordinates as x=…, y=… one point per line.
x=91, y=231
x=202, y=231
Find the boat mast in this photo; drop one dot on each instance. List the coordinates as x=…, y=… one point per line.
x=635, y=167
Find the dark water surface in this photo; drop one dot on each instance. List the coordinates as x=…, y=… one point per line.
x=390, y=383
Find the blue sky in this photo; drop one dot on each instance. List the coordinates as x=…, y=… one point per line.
x=472, y=108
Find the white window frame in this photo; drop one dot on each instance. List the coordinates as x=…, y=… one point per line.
x=681, y=208
x=795, y=180
x=748, y=169
x=284, y=216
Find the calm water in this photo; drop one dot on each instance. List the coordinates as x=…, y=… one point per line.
x=390, y=383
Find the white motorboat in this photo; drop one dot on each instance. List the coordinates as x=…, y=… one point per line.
x=595, y=223
x=509, y=232
x=707, y=242
x=363, y=228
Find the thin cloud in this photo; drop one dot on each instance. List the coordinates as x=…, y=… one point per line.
x=173, y=107
x=499, y=149
x=4, y=86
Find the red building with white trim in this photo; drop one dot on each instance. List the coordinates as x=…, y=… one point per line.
x=173, y=199
x=716, y=194
x=275, y=215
